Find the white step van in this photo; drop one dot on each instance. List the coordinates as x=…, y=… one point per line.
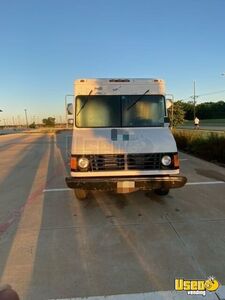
x=121, y=138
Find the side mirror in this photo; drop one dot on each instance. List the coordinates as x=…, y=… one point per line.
x=70, y=121
x=70, y=108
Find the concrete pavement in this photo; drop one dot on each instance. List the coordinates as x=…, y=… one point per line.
x=53, y=246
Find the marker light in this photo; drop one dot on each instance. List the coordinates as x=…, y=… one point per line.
x=166, y=160
x=176, y=161
x=83, y=162
x=73, y=163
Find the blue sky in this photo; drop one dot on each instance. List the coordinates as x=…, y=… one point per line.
x=46, y=44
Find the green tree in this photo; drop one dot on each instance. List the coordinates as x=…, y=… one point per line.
x=49, y=122
x=188, y=108
x=32, y=125
x=178, y=114
x=211, y=110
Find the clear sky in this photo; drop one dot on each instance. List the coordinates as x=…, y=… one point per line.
x=46, y=44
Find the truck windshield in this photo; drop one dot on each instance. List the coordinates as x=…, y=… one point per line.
x=119, y=111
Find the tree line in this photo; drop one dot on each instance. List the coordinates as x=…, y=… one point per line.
x=185, y=111
x=206, y=110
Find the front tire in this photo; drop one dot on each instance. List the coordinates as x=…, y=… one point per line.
x=80, y=194
x=162, y=192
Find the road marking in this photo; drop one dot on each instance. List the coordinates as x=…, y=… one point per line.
x=183, y=159
x=205, y=182
x=56, y=190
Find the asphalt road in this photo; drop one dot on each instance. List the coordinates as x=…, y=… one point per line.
x=10, y=131
x=53, y=246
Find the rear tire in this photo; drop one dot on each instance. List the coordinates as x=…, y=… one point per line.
x=80, y=194
x=162, y=192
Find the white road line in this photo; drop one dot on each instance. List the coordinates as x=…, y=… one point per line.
x=188, y=183
x=205, y=182
x=183, y=159
x=56, y=190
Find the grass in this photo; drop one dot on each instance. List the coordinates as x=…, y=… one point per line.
x=206, y=122
x=209, y=146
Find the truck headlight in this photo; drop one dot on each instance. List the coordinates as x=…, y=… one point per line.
x=166, y=160
x=83, y=163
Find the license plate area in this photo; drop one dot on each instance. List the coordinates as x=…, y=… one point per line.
x=125, y=187
x=125, y=184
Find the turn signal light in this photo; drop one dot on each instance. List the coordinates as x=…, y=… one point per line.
x=176, y=162
x=73, y=163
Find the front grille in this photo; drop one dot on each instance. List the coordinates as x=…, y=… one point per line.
x=107, y=162
x=125, y=162
x=144, y=161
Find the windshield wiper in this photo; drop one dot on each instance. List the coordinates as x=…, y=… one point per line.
x=85, y=102
x=139, y=98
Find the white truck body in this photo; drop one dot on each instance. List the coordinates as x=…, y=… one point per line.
x=121, y=148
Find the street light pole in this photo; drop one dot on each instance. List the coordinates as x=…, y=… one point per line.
x=26, y=117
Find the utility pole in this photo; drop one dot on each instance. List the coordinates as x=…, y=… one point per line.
x=194, y=97
x=26, y=117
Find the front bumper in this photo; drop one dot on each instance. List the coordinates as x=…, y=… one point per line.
x=141, y=183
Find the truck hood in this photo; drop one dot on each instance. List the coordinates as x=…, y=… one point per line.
x=122, y=140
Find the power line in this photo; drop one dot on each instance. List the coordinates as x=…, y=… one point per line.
x=212, y=93
x=206, y=94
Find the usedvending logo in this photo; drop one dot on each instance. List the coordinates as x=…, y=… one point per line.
x=197, y=287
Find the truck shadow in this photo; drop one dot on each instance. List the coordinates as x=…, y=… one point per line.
x=15, y=195
x=5, y=145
